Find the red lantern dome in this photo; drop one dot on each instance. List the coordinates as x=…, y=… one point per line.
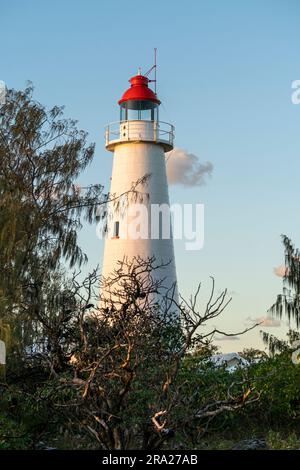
x=139, y=91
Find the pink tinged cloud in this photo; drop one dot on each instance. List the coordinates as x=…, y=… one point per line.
x=265, y=322
x=227, y=338
x=280, y=271
x=186, y=169
x=268, y=322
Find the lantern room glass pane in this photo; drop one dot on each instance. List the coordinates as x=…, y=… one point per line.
x=133, y=114
x=133, y=110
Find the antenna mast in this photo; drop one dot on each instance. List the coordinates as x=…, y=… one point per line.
x=155, y=51
x=154, y=67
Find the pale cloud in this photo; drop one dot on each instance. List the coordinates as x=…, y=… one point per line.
x=186, y=169
x=227, y=338
x=268, y=322
x=264, y=322
x=233, y=292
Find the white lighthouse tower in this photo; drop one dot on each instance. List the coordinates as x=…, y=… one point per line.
x=139, y=142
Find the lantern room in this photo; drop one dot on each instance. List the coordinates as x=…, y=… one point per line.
x=139, y=102
x=139, y=120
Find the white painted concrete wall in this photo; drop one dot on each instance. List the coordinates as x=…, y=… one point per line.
x=132, y=161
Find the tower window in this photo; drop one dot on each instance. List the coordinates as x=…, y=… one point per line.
x=116, y=229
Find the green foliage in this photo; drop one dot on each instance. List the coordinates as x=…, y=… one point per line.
x=42, y=408
x=42, y=154
x=24, y=417
x=278, y=381
x=280, y=440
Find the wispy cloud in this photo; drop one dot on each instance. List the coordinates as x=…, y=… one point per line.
x=227, y=338
x=265, y=322
x=186, y=168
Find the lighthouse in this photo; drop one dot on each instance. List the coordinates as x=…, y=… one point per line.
x=138, y=142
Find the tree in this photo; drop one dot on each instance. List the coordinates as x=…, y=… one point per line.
x=119, y=371
x=288, y=303
x=41, y=156
x=253, y=355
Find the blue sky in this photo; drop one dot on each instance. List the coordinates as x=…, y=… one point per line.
x=224, y=78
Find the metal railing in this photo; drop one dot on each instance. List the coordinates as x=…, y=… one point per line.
x=139, y=130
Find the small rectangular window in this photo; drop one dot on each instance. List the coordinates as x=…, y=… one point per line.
x=116, y=229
